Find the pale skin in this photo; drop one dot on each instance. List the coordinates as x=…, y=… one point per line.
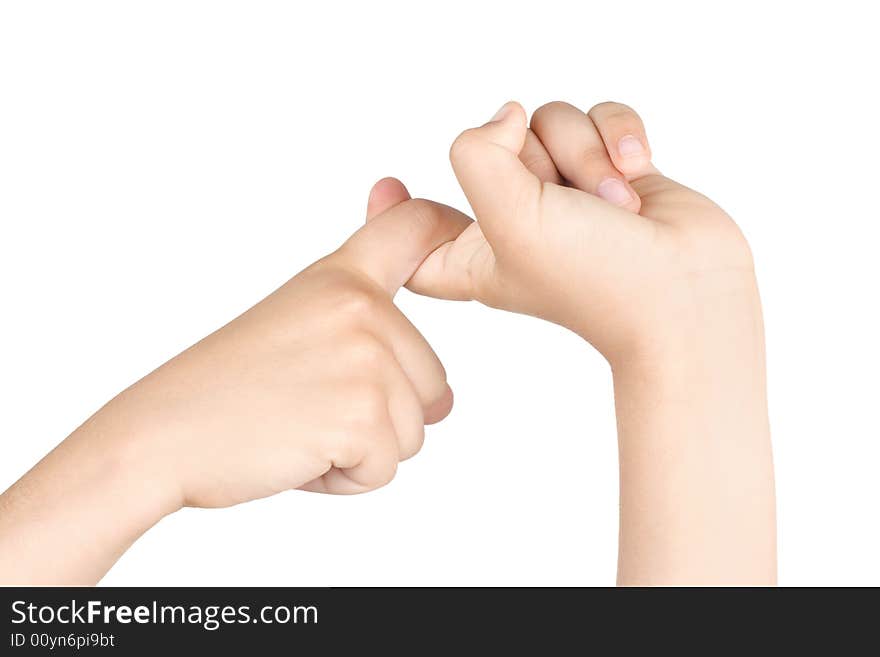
x=574, y=225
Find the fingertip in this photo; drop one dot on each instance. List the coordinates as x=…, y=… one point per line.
x=620, y=193
x=625, y=138
x=389, y=184
x=384, y=195
x=508, y=126
x=439, y=409
x=511, y=111
x=632, y=156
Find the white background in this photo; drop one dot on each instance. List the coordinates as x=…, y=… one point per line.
x=164, y=165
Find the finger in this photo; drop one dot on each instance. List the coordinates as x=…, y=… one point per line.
x=502, y=191
x=453, y=271
x=376, y=470
x=538, y=160
x=417, y=359
x=390, y=248
x=623, y=134
x=374, y=466
x=406, y=412
x=385, y=194
x=440, y=408
x=577, y=148
x=626, y=141
x=378, y=466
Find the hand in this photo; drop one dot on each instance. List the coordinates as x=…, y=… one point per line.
x=575, y=225
x=626, y=275
x=323, y=386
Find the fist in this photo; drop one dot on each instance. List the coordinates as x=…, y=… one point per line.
x=323, y=386
x=575, y=225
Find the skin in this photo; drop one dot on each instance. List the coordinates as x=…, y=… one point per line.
x=660, y=281
x=323, y=386
x=574, y=225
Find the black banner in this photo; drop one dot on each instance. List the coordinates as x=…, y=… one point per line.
x=133, y=621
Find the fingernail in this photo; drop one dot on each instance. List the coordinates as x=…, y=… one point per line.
x=629, y=146
x=614, y=191
x=501, y=113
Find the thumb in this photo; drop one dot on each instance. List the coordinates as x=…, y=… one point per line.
x=499, y=187
x=392, y=245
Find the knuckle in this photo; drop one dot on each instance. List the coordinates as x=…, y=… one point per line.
x=541, y=164
x=364, y=354
x=463, y=144
x=613, y=113
x=370, y=404
x=347, y=450
x=424, y=213
x=549, y=108
x=365, y=426
x=385, y=472
x=413, y=445
x=596, y=156
x=354, y=303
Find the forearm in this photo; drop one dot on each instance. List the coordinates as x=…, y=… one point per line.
x=73, y=514
x=696, y=475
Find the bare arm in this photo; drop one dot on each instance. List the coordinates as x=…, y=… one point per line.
x=696, y=472
x=323, y=386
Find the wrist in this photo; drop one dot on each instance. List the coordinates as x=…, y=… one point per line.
x=696, y=328
x=95, y=493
